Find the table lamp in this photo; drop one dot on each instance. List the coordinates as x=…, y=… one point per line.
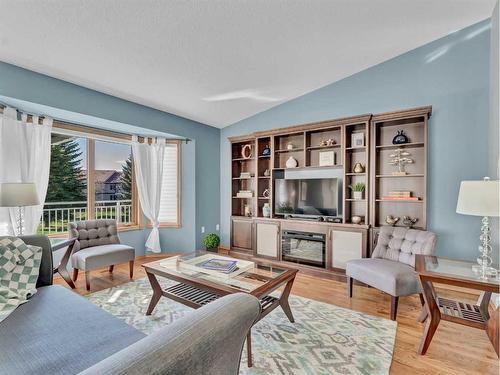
x=20, y=195
x=481, y=198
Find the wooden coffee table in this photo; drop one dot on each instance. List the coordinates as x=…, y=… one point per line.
x=195, y=289
x=430, y=270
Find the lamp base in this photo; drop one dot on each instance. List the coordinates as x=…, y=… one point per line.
x=489, y=272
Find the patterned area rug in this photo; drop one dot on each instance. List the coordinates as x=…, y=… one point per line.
x=325, y=339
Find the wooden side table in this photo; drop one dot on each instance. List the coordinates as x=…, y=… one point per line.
x=431, y=269
x=61, y=268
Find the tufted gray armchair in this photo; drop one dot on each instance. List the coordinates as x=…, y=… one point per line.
x=98, y=246
x=391, y=268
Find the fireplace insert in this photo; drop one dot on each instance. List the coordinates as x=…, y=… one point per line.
x=304, y=248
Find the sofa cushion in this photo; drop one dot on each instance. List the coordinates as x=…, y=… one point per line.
x=59, y=332
x=394, y=278
x=101, y=256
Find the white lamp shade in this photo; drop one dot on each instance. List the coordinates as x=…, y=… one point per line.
x=479, y=198
x=18, y=195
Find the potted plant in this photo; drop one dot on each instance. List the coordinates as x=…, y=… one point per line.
x=357, y=190
x=212, y=242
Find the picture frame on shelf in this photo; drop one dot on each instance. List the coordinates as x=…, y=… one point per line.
x=358, y=140
x=326, y=158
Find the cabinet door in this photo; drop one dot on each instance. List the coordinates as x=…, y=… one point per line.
x=267, y=239
x=346, y=246
x=242, y=233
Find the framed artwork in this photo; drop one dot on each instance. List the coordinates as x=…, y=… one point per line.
x=326, y=158
x=357, y=140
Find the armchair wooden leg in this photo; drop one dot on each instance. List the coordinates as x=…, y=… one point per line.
x=349, y=286
x=111, y=268
x=75, y=274
x=87, y=280
x=394, y=307
x=131, y=268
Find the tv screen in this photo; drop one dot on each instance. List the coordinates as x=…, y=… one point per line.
x=308, y=197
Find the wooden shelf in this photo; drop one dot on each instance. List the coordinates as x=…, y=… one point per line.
x=243, y=159
x=309, y=167
x=322, y=147
x=264, y=176
x=285, y=150
x=392, y=176
x=404, y=145
x=243, y=197
x=242, y=178
x=264, y=156
x=356, y=174
x=356, y=149
x=355, y=200
x=264, y=198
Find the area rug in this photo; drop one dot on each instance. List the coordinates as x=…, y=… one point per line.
x=325, y=339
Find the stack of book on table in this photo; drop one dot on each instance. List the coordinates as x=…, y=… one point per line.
x=221, y=265
x=399, y=195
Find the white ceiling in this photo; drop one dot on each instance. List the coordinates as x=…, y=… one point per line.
x=218, y=62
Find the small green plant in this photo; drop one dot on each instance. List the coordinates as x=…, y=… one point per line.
x=211, y=241
x=359, y=187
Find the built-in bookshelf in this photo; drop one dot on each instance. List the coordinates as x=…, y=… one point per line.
x=264, y=171
x=243, y=177
x=396, y=192
x=356, y=171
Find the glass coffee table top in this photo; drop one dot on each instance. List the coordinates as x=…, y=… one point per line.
x=259, y=273
x=459, y=269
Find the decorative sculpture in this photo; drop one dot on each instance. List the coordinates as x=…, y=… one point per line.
x=400, y=158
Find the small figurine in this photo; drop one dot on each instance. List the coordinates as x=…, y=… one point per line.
x=290, y=146
x=330, y=142
x=358, y=168
x=400, y=138
x=409, y=222
x=389, y=219
x=267, y=173
x=322, y=143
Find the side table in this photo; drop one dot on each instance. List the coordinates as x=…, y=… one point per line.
x=61, y=268
x=431, y=269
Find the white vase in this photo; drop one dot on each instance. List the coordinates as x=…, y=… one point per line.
x=357, y=195
x=266, y=210
x=291, y=162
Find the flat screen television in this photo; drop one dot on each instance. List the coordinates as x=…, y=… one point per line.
x=308, y=197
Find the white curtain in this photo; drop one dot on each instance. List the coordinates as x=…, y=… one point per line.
x=148, y=166
x=24, y=157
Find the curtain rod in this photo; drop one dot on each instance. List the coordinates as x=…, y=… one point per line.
x=4, y=105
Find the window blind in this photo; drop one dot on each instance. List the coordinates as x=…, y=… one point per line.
x=169, y=199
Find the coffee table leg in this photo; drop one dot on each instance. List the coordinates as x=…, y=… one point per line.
x=157, y=293
x=284, y=301
x=433, y=313
x=249, y=348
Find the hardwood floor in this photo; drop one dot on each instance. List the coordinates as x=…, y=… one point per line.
x=454, y=350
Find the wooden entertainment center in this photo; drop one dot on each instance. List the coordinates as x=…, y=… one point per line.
x=356, y=149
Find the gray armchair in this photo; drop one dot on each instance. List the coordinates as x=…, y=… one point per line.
x=391, y=268
x=98, y=246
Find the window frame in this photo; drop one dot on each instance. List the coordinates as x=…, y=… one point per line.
x=92, y=135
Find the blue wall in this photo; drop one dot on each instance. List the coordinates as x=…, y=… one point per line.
x=452, y=75
x=200, y=158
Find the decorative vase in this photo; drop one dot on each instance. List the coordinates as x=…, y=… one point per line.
x=358, y=168
x=291, y=162
x=266, y=210
x=266, y=151
x=247, y=211
x=400, y=138
x=356, y=219
x=290, y=146
x=267, y=173
x=357, y=195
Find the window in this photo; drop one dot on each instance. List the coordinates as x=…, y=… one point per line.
x=170, y=197
x=91, y=177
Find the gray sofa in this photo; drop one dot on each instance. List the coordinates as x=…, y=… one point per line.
x=59, y=332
